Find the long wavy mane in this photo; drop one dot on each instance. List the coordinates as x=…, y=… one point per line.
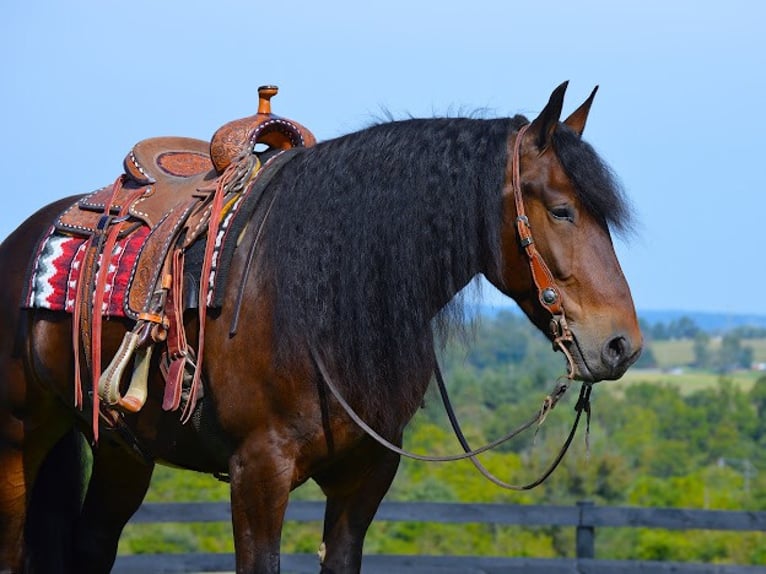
x=371, y=236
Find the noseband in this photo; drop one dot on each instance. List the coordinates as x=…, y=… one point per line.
x=548, y=294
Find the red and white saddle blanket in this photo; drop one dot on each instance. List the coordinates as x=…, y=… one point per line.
x=53, y=280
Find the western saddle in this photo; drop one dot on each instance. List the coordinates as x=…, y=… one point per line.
x=175, y=190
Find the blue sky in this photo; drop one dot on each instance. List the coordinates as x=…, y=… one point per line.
x=679, y=114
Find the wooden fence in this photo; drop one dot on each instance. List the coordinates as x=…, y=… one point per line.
x=585, y=517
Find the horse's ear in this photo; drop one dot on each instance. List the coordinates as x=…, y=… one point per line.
x=577, y=119
x=544, y=125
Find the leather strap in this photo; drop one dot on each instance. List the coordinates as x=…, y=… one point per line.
x=234, y=179
x=324, y=372
x=583, y=404
x=176, y=341
x=88, y=313
x=548, y=293
x=258, y=190
x=541, y=274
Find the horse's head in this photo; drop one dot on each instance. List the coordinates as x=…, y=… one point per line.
x=558, y=259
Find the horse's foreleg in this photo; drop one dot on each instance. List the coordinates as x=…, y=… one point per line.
x=36, y=514
x=13, y=494
x=14, y=481
x=354, y=489
x=117, y=488
x=261, y=478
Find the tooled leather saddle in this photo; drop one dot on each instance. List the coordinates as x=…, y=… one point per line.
x=174, y=193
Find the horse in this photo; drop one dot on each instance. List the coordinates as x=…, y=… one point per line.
x=358, y=263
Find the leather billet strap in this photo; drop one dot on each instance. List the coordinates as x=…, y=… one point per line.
x=548, y=293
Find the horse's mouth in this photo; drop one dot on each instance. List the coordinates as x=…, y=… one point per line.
x=577, y=366
x=601, y=365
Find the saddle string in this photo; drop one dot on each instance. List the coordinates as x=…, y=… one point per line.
x=92, y=284
x=548, y=404
x=235, y=178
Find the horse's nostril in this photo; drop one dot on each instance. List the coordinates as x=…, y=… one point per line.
x=616, y=350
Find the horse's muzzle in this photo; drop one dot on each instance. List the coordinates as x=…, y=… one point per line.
x=606, y=362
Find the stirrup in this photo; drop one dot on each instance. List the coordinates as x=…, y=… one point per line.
x=109, y=382
x=135, y=397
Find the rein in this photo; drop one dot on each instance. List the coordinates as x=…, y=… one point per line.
x=583, y=404
x=550, y=298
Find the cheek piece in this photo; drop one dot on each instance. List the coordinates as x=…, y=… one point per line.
x=548, y=294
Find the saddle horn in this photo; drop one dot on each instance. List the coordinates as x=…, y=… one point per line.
x=265, y=127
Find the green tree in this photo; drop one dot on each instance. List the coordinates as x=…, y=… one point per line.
x=683, y=328
x=701, y=350
x=733, y=355
x=757, y=398
x=646, y=360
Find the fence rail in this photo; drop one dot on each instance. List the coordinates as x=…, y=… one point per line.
x=585, y=517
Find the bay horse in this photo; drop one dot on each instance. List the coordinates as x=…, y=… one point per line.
x=369, y=238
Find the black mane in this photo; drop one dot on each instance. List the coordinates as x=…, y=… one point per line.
x=372, y=233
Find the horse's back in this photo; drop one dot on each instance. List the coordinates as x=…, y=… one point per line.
x=17, y=252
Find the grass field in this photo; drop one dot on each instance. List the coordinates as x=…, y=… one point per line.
x=673, y=366
x=759, y=349
x=689, y=380
x=680, y=352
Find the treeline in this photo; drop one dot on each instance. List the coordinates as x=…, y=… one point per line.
x=681, y=328
x=648, y=445
x=686, y=327
x=721, y=353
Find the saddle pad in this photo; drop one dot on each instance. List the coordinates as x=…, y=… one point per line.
x=52, y=281
x=56, y=269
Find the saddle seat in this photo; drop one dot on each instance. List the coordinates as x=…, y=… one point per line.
x=178, y=188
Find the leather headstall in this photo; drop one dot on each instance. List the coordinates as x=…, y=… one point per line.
x=548, y=293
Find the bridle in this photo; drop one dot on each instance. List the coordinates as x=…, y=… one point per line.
x=547, y=292
x=550, y=298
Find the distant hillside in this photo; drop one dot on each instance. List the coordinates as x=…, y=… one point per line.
x=706, y=320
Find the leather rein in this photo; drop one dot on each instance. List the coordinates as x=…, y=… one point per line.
x=550, y=298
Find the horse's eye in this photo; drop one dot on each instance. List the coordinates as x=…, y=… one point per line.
x=563, y=212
